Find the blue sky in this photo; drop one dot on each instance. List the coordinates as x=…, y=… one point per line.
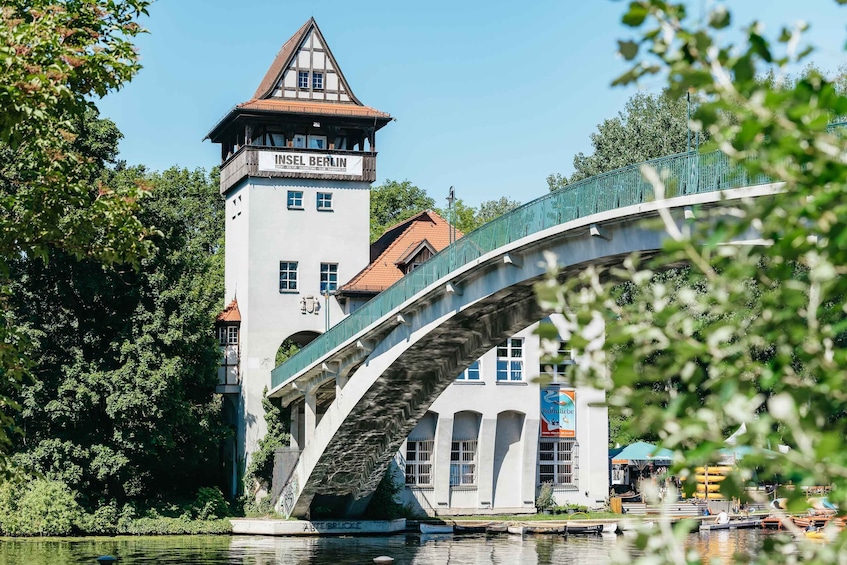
x=489, y=97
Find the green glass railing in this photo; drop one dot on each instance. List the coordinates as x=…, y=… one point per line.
x=683, y=174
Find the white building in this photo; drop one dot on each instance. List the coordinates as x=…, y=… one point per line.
x=297, y=163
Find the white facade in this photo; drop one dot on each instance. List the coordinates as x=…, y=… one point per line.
x=262, y=231
x=479, y=448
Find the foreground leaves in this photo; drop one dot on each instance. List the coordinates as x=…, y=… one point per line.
x=756, y=336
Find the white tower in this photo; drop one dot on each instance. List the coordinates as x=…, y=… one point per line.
x=297, y=162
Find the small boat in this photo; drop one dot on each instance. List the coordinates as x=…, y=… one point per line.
x=496, y=529
x=469, y=529
x=610, y=528
x=732, y=525
x=543, y=529
x=516, y=530
x=583, y=530
x=436, y=528
x=773, y=522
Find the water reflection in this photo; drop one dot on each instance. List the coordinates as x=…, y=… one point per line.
x=406, y=549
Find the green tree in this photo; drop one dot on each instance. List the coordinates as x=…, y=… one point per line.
x=770, y=353
x=491, y=209
x=649, y=126
x=467, y=218
x=57, y=56
x=392, y=202
x=123, y=404
x=462, y=216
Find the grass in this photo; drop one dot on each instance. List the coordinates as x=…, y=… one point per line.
x=536, y=517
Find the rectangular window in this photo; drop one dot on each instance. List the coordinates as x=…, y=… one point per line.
x=228, y=335
x=556, y=367
x=277, y=139
x=324, y=201
x=287, y=276
x=510, y=360
x=318, y=81
x=317, y=142
x=329, y=277
x=419, y=462
x=463, y=462
x=300, y=141
x=558, y=461
x=471, y=373
x=303, y=80
x=295, y=199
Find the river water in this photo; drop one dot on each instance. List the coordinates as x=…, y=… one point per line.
x=404, y=548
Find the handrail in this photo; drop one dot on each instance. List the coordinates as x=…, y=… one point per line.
x=683, y=174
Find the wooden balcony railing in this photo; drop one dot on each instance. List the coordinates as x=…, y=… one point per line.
x=245, y=162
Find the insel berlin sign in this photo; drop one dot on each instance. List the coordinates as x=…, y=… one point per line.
x=310, y=163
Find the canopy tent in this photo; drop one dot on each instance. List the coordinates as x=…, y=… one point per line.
x=641, y=454
x=733, y=452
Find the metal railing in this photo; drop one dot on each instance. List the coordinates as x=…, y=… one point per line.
x=683, y=174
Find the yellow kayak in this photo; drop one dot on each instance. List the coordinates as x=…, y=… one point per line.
x=714, y=470
x=709, y=495
x=708, y=488
x=710, y=478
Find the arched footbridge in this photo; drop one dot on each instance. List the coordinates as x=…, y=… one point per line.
x=378, y=371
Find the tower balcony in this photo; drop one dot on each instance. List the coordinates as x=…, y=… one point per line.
x=298, y=163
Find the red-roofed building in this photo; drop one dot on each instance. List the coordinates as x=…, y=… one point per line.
x=396, y=253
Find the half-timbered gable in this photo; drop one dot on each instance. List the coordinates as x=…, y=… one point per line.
x=305, y=69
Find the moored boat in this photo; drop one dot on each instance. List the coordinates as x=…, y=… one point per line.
x=583, y=530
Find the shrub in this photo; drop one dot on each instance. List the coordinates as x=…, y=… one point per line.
x=160, y=525
x=544, y=500
x=103, y=521
x=210, y=503
x=47, y=508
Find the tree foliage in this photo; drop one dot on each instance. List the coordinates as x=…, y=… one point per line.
x=122, y=405
x=392, y=202
x=56, y=56
x=649, y=126
x=467, y=218
x=769, y=349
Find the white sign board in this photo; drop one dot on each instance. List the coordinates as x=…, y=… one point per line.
x=310, y=163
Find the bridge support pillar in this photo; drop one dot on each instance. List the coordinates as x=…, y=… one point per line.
x=443, y=439
x=485, y=458
x=340, y=382
x=531, y=429
x=294, y=428
x=311, y=416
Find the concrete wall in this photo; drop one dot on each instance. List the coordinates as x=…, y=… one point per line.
x=504, y=416
x=260, y=232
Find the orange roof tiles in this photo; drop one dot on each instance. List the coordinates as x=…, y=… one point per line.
x=230, y=314
x=426, y=227
x=325, y=108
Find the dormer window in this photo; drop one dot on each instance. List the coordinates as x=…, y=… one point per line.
x=414, y=256
x=317, y=81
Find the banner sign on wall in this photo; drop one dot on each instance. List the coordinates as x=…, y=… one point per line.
x=310, y=163
x=558, y=412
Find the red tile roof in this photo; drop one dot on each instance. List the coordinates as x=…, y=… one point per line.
x=426, y=227
x=313, y=107
x=230, y=313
